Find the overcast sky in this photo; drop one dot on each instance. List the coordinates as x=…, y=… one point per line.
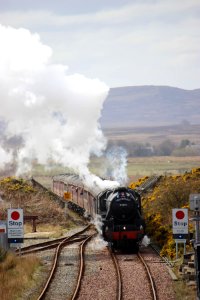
x=121, y=42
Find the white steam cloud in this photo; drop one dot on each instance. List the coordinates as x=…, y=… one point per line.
x=146, y=241
x=98, y=243
x=55, y=113
x=116, y=164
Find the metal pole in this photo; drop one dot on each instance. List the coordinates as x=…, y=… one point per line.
x=176, y=250
x=197, y=251
x=184, y=249
x=197, y=259
x=197, y=231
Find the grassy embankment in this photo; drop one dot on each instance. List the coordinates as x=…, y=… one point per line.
x=16, y=274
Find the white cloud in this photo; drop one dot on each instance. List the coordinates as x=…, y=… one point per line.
x=124, y=45
x=141, y=11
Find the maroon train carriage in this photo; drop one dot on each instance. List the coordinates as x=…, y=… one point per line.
x=79, y=198
x=119, y=208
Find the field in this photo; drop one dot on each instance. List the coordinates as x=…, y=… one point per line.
x=164, y=165
x=142, y=166
x=155, y=135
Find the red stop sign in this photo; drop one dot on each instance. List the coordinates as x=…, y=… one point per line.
x=180, y=214
x=15, y=215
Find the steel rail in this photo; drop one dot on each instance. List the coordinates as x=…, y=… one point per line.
x=119, y=277
x=55, y=261
x=48, y=245
x=152, y=284
x=41, y=244
x=81, y=269
x=147, y=184
x=163, y=258
x=52, y=246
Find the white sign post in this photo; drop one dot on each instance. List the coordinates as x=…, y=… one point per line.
x=180, y=226
x=15, y=226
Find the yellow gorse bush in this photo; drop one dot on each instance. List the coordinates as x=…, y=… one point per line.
x=136, y=184
x=170, y=192
x=13, y=184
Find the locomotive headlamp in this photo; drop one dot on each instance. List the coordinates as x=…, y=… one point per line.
x=124, y=227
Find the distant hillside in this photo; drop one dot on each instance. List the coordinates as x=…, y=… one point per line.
x=150, y=106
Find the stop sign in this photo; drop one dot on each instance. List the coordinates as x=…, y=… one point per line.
x=180, y=214
x=15, y=225
x=180, y=220
x=15, y=215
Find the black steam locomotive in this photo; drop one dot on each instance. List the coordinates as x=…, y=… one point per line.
x=119, y=208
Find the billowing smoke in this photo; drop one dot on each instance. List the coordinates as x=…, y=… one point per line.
x=54, y=114
x=116, y=164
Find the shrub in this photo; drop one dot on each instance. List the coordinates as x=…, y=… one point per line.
x=171, y=192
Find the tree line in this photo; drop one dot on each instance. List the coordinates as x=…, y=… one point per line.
x=165, y=148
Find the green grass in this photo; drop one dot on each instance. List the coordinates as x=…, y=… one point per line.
x=161, y=165
x=16, y=274
x=183, y=292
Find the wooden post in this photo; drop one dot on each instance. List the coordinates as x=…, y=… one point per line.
x=33, y=219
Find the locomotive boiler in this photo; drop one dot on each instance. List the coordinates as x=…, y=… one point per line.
x=119, y=209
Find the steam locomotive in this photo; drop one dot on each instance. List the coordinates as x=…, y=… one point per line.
x=123, y=226
x=119, y=209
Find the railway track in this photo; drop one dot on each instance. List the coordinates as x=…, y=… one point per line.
x=100, y=277
x=51, y=245
x=120, y=263
x=43, y=294
x=148, y=184
x=118, y=274
x=43, y=246
x=163, y=258
x=150, y=278
x=81, y=269
x=60, y=245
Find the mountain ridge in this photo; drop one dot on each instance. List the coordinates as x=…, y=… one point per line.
x=150, y=105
